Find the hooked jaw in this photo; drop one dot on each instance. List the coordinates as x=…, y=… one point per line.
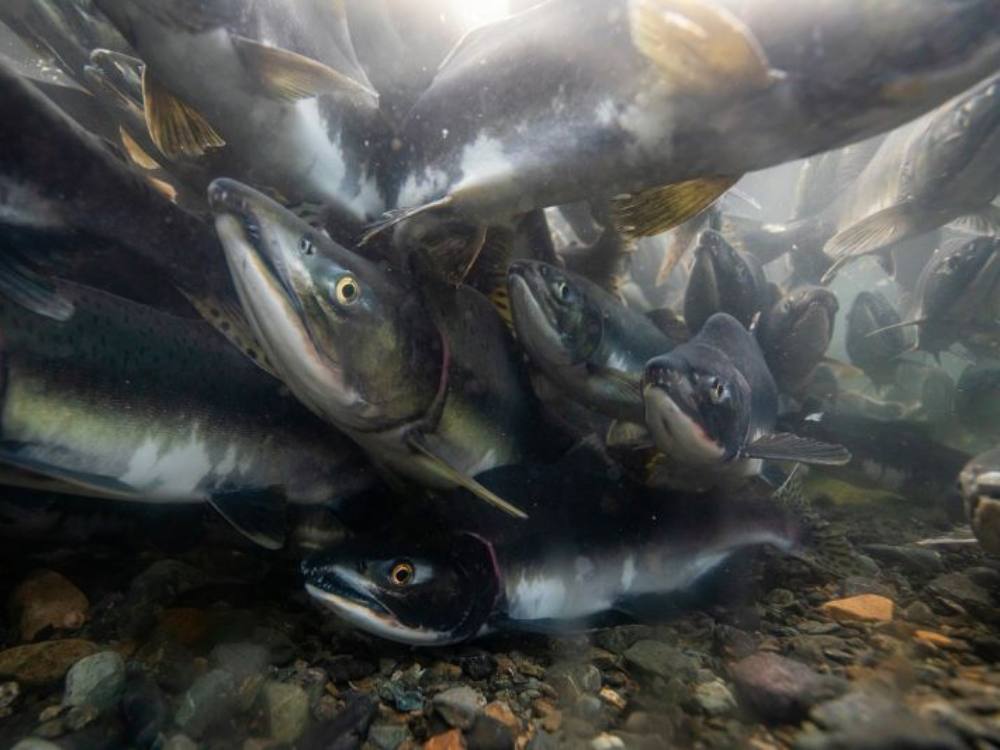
x=348, y=595
x=672, y=416
x=534, y=319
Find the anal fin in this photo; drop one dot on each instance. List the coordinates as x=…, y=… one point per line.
x=872, y=234
x=655, y=210
x=176, y=128
x=258, y=515
x=26, y=287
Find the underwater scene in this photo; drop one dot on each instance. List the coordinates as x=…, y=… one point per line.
x=499, y=374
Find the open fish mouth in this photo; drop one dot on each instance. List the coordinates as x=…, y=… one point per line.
x=346, y=594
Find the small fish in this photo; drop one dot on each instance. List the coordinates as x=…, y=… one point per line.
x=875, y=353
x=424, y=380
x=795, y=333
x=711, y=407
x=583, y=338
x=898, y=456
x=980, y=483
x=977, y=399
x=957, y=294
x=930, y=173
x=429, y=589
x=122, y=401
x=723, y=280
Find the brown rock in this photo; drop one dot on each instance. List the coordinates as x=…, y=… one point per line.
x=864, y=608
x=931, y=638
x=47, y=599
x=612, y=698
x=184, y=625
x=450, y=740
x=500, y=711
x=550, y=715
x=46, y=662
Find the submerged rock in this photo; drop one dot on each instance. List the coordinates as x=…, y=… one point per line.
x=863, y=608
x=209, y=701
x=143, y=709
x=97, y=680
x=778, y=689
x=660, y=659
x=46, y=662
x=459, y=706
x=286, y=707
x=46, y=599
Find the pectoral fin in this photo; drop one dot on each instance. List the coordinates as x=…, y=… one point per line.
x=698, y=46
x=628, y=435
x=22, y=285
x=289, y=76
x=783, y=446
x=176, y=128
x=982, y=222
x=17, y=456
x=451, y=474
x=258, y=515
x=653, y=211
x=135, y=152
x=872, y=234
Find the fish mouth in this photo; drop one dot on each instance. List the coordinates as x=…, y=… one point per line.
x=671, y=415
x=347, y=595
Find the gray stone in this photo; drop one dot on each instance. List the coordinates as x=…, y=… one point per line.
x=210, y=700
x=489, y=734
x=660, y=659
x=241, y=660
x=80, y=716
x=459, y=706
x=912, y=559
x=35, y=743
x=9, y=693
x=97, y=680
x=988, y=578
x=959, y=588
x=287, y=709
x=180, y=742
x=919, y=612
x=778, y=689
x=618, y=640
x=571, y=679
x=854, y=707
x=388, y=736
x=714, y=698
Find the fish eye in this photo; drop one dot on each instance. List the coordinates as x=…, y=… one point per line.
x=306, y=245
x=348, y=290
x=562, y=291
x=716, y=391
x=402, y=573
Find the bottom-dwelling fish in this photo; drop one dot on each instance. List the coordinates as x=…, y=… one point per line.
x=634, y=555
x=122, y=401
x=711, y=407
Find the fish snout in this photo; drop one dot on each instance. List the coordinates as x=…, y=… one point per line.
x=660, y=373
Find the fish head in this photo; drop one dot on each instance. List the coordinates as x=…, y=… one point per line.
x=697, y=404
x=419, y=592
x=966, y=132
x=553, y=314
x=980, y=485
x=349, y=340
x=951, y=273
x=799, y=327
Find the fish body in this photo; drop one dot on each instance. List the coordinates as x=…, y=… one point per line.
x=795, y=333
x=977, y=399
x=896, y=456
x=926, y=174
x=314, y=150
x=723, y=280
x=957, y=292
x=874, y=350
x=521, y=115
x=711, y=407
x=126, y=402
x=583, y=338
x=980, y=483
x=557, y=575
x=426, y=383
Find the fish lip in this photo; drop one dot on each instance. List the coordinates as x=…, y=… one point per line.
x=536, y=323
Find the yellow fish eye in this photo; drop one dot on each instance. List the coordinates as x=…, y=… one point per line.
x=401, y=574
x=348, y=290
